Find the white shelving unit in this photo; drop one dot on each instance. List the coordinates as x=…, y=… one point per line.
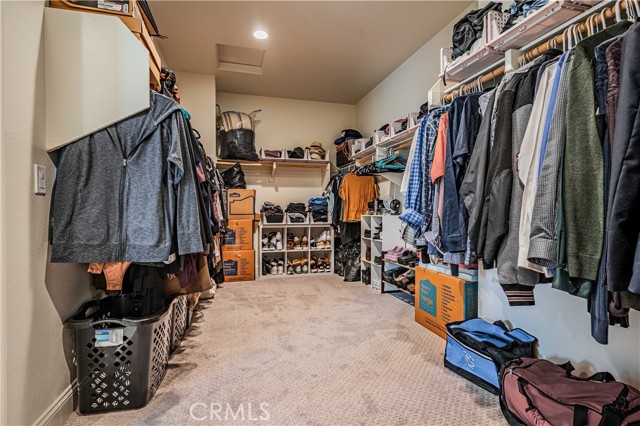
x=310, y=230
x=391, y=236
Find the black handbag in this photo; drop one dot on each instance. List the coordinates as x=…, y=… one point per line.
x=234, y=177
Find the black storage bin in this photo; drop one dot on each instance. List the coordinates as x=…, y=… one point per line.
x=237, y=145
x=274, y=218
x=120, y=360
x=179, y=320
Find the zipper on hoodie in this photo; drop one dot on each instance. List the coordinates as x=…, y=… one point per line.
x=123, y=172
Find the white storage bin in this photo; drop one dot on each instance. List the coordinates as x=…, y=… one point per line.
x=264, y=157
x=306, y=220
x=264, y=220
x=286, y=156
x=358, y=145
x=307, y=155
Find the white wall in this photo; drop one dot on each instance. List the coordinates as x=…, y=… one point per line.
x=406, y=88
x=560, y=321
x=198, y=96
x=37, y=296
x=288, y=123
x=563, y=326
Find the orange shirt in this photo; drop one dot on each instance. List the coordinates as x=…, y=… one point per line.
x=356, y=193
x=439, y=157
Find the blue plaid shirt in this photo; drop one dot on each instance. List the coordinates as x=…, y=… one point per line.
x=428, y=187
x=420, y=189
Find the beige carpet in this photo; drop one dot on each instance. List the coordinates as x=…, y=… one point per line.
x=318, y=351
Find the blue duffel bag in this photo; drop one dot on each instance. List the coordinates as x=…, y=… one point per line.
x=478, y=350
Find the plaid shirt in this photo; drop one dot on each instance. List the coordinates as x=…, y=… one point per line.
x=420, y=189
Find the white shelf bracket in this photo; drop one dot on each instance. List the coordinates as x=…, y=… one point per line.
x=272, y=176
x=512, y=60
x=436, y=93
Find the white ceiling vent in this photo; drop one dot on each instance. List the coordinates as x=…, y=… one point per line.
x=240, y=59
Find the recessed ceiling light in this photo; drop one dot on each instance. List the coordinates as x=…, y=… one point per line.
x=260, y=34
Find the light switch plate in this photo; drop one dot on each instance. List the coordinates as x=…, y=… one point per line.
x=40, y=179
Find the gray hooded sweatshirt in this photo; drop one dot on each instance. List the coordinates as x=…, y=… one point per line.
x=124, y=192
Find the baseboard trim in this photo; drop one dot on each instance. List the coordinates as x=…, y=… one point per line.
x=55, y=407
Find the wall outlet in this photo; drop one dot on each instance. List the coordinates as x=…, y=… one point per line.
x=40, y=179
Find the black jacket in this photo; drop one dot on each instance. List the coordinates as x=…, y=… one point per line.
x=623, y=257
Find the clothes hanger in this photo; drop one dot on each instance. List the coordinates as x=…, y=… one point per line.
x=603, y=20
x=618, y=11
x=636, y=5
x=628, y=10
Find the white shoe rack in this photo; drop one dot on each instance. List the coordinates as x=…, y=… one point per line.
x=311, y=231
x=390, y=237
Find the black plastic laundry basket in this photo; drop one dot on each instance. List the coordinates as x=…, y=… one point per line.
x=120, y=360
x=179, y=321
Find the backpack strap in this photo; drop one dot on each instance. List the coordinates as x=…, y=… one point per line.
x=580, y=415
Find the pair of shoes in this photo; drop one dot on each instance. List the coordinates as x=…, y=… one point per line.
x=367, y=253
x=323, y=264
x=406, y=278
x=273, y=266
x=394, y=254
x=296, y=243
x=266, y=268
x=272, y=242
x=408, y=257
x=377, y=260
x=377, y=235
x=323, y=241
x=367, y=233
x=298, y=266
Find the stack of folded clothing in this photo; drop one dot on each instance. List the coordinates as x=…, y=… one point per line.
x=319, y=208
x=297, y=212
x=316, y=151
x=272, y=212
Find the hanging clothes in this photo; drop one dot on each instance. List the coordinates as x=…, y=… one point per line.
x=623, y=260
x=107, y=198
x=356, y=193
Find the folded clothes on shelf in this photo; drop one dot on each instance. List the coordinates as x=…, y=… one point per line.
x=272, y=153
x=272, y=212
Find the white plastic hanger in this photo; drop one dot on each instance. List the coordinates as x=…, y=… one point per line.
x=618, y=11
x=603, y=20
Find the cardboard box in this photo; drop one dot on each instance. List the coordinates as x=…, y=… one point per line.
x=441, y=299
x=240, y=201
x=238, y=265
x=239, y=234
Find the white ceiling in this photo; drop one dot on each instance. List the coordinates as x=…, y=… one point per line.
x=333, y=51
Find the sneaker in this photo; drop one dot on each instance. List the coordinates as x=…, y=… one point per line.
x=281, y=266
x=313, y=265
x=274, y=267
x=278, y=241
x=265, y=265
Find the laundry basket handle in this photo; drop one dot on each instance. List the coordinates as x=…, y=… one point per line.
x=108, y=321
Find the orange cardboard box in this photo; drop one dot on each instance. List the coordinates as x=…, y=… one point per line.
x=240, y=201
x=239, y=234
x=441, y=299
x=238, y=265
